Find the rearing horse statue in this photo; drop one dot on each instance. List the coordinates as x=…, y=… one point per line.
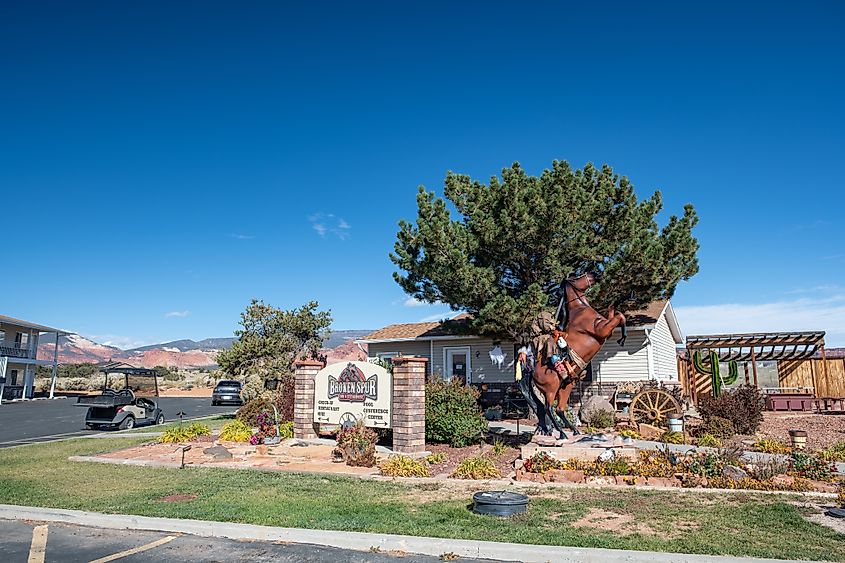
x=563, y=347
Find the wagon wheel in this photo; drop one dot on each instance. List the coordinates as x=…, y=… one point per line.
x=653, y=406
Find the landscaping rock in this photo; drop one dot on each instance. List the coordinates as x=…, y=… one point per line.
x=649, y=432
x=218, y=453
x=544, y=440
x=734, y=473
x=783, y=480
x=594, y=404
x=601, y=481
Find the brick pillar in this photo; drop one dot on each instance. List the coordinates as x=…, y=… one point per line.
x=303, y=406
x=409, y=404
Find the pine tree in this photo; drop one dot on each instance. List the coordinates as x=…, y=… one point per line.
x=517, y=237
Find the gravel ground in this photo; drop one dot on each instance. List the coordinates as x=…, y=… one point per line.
x=823, y=430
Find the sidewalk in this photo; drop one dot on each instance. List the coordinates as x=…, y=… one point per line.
x=359, y=541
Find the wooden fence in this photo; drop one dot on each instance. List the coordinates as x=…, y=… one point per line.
x=812, y=373
x=791, y=373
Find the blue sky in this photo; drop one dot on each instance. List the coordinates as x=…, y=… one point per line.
x=162, y=163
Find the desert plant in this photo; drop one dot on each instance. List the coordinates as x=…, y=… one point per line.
x=770, y=446
x=835, y=452
x=766, y=469
x=670, y=437
x=708, y=440
x=840, y=497
x=435, y=458
x=357, y=445
x=499, y=448
x=630, y=433
x=811, y=467
x=452, y=414
x=184, y=433
x=403, y=466
x=602, y=418
x=612, y=467
x=717, y=426
x=476, y=468
x=743, y=406
x=235, y=431
x=540, y=463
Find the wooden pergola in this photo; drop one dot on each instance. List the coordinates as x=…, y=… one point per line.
x=764, y=346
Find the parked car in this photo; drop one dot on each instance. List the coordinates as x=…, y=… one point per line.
x=227, y=391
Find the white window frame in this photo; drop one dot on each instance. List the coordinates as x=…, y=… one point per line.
x=447, y=371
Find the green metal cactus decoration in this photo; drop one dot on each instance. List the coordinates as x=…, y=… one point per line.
x=713, y=371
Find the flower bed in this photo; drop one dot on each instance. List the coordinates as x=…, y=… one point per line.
x=722, y=469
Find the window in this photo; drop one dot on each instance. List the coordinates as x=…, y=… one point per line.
x=13, y=377
x=387, y=357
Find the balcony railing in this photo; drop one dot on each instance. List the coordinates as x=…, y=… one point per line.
x=15, y=352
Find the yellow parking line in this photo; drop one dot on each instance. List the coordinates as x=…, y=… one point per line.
x=134, y=550
x=39, y=545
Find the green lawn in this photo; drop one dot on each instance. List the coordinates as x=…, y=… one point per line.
x=214, y=422
x=740, y=525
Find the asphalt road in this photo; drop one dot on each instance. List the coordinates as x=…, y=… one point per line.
x=39, y=542
x=38, y=421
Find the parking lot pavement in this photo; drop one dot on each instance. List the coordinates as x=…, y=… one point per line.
x=39, y=543
x=39, y=421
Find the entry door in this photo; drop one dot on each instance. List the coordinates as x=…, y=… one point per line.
x=458, y=364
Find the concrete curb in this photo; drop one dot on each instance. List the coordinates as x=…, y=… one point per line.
x=359, y=541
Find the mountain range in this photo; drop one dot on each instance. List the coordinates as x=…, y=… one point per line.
x=186, y=354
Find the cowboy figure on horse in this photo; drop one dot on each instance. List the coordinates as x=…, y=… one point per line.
x=561, y=347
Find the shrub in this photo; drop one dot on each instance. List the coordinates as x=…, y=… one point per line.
x=283, y=397
x=499, y=448
x=708, y=440
x=235, y=431
x=540, y=463
x=769, y=446
x=670, y=437
x=811, y=467
x=184, y=433
x=833, y=453
x=286, y=430
x=357, y=445
x=403, y=466
x=452, y=414
x=249, y=411
x=602, y=418
x=743, y=406
x=476, y=468
x=435, y=458
x=718, y=427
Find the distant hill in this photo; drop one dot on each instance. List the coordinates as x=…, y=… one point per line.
x=181, y=353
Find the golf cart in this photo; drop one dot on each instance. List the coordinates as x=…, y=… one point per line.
x=128, y=399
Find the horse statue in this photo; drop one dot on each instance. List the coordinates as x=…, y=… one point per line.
x=562, y=346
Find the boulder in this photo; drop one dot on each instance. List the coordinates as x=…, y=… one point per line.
x=594, y=404
x=218, y=453
x=734, y=473
x=649, y=432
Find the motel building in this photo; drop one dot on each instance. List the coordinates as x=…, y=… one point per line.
x=19, y=342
